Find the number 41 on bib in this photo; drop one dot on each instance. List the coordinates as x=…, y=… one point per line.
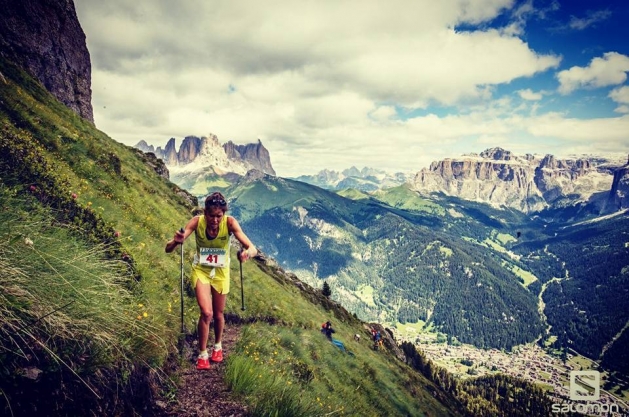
x=215, y=257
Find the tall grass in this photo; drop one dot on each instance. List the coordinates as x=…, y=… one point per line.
x=268, y=379
x=272, y=392
x=64, y=307
x=288, y=371
x=86, y=285
x=270, y=361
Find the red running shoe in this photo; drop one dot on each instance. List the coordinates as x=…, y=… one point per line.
x=217, y=355
x=203, y=363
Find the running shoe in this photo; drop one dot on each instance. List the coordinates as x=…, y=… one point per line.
x=217, y=355
x=203, y=362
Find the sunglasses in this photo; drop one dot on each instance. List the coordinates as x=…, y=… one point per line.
x=217, y=202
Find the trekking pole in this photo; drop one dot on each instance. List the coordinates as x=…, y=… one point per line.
x=181, y=292
x=242, y=288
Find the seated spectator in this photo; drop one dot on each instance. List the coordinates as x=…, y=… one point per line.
x=326, y=328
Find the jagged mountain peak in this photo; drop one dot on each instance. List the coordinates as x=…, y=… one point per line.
x=145, y=147
x=352, y=172
x=497, y=154
x=366, y=179
x=253, y=154
x=199, y=153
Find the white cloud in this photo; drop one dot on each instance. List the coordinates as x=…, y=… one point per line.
x=528, y=94
x=601, y=133
x=319, y=82
x=415, y=70
x=620, y=95
x=405, y=52
x=591, y=19
x=622, y=109
x=383, y=113
x=609, y=70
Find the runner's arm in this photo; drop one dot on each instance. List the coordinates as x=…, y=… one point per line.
x=180, y=237
x=250, y=250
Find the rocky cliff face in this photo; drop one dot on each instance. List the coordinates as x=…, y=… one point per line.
x=170, y=153
x=199, y=153
x=526, y=183
x=619, y=194
x=193, y=146
x=254, y=155
x=45, y=38
x=154, y=163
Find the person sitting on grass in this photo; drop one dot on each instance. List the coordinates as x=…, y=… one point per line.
x=327, y=329
x=210, y=269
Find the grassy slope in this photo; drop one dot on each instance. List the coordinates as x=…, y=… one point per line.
x=404, y=198
x=292, y=354
x=353, y=194
x=49, y=154
x=79, y=159
x=256, y=197
x=90, y=186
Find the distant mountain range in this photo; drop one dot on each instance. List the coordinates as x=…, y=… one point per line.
x=501, y=179
x=202, y=164
x=486, y=276
x=366, y=179
x=198, y=153
x=496, y=176
x=528, y=183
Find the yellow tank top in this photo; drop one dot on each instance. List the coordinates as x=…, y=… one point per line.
x=212, y=253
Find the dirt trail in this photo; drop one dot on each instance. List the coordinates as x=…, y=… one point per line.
x=204, y=393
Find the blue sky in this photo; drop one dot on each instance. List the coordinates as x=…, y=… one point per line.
x=392, y=85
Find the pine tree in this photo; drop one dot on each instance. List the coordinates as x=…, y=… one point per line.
x=326, y=289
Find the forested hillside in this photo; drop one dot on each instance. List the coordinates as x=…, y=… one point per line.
x=391, y=264
x=473, y=271
x=588, y=301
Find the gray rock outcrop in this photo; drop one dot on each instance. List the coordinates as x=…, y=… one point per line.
x=197, y=154
x=255, y=155
x=169, y=155
x=502, y=179
x=154, y=163
x=619, y=194
x=190, y=148
x=45, y=39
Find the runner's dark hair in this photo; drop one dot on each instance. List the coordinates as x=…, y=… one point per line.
x=216, y=199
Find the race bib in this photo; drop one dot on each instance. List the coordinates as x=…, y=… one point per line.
x=215, y=257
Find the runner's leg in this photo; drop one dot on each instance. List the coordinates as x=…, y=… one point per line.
x=204, y=299
x=218, y=305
